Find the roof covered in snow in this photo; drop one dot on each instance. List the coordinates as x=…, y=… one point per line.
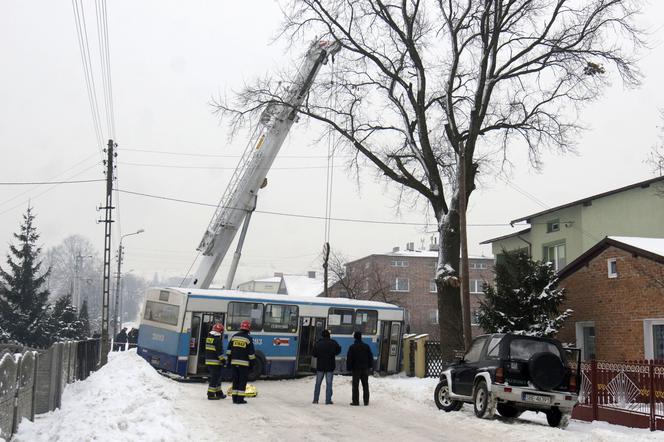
x=652, y=245
x=426, y=254
x=271, y=279
x=651, y=248
x=302, y=285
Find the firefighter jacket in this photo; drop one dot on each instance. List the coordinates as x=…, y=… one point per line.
x=214, y=349
x=241, y=349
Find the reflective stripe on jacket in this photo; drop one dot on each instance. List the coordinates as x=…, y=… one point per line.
x=214, y=349
x=241, y=349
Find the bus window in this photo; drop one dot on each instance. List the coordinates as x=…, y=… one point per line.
x=280, y=318
x=366, y=321
x=160, y=312
x=240, y=311
x=340, y=321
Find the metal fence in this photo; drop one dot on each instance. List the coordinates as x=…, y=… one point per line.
x=626, y=393
x=434, y=359
x=32, y=382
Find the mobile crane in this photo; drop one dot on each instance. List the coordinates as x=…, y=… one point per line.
x=239, y=200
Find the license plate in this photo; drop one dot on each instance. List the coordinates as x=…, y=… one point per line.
x=154, y=361
x=536, y=398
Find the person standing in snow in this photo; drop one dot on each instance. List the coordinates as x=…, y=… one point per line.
x=325, y=351
x=214, y=358
x=241, y=357
x=359, y=361
x=120, y=340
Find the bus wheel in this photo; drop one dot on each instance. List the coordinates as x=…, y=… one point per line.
x=257, y=370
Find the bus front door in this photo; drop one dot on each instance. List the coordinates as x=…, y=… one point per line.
x=390, y=346
x=201, y=324
x=311, y=330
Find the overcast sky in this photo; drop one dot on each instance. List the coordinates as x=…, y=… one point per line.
x=168, y=59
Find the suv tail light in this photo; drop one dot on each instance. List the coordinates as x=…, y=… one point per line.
x=572, y=383
x=500, y=375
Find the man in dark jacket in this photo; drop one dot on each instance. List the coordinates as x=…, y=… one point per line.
x=325, y=351
x=359, y=361
x=241, y=357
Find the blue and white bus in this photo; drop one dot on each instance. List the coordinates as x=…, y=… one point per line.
x=175, y=322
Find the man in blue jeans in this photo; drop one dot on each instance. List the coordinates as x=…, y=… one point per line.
x=325, y=351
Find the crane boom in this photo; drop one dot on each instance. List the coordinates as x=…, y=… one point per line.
x=249, y=176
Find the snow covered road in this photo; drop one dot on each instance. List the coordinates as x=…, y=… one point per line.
x=128, y=401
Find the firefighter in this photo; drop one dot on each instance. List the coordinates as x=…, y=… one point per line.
x=241, y=358
x=214, y=359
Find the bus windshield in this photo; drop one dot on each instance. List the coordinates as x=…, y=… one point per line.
x=160, y=312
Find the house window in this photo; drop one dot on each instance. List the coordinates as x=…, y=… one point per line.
x=432, y=286
x=612, y=267
x=433, y=317
x=482, y=265
x=553, y=226
x=476, y=285
x=475, y=317
x=585, y=339
x=473, y=265
x=653, y=335
x=400, y=285
x=399, y=264
x=555, y=254
x=343, y=293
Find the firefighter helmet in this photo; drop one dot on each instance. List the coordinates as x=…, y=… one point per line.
x=218, y=327
x=245, y=325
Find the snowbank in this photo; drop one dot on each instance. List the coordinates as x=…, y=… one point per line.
x=125, y=400
x=128, y=401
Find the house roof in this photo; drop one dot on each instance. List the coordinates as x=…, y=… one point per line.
x=270, y=279
x=500, y=238
x=651, y=248
x=642, y=184
x=302, y=285
x=416, y=254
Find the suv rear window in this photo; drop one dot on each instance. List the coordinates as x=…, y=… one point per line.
x=524, y=349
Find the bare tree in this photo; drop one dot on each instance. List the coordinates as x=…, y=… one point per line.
x=362, y=280
x=418, y=82
x=656, y=157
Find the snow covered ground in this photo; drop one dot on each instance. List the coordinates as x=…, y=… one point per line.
x=128, y=401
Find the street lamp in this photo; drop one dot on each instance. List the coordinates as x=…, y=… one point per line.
x=117, y=281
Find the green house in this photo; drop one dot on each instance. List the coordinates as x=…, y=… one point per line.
x=563, y=233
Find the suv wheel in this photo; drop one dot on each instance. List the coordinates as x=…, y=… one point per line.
x=508, y=411
x=556, y=418
x=482, y=405
x=442, y=398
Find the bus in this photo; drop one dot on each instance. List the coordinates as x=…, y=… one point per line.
x=176, y=321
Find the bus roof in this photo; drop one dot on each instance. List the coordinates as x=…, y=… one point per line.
x=286, y=299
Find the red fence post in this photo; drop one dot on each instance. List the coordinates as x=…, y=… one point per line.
x=651, y=372
x=593, y=389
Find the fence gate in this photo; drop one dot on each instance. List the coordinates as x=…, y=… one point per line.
x=434, y=359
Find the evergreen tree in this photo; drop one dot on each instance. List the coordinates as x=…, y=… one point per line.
x=23, y=299
x=525, y=300
x=64, y=319
x=84, y=320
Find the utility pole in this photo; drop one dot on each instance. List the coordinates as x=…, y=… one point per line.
x=117, y=290
x=463, y=268
x=117, y=312
x=326, y=262
x=108, y=220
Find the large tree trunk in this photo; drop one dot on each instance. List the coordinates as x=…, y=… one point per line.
x=449, y=297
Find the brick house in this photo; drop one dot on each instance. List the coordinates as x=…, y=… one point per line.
x=406, y=278
x=616, y=289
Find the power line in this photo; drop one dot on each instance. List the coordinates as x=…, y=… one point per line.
x=211, y=155
x=294, y=215
x=28, y=183
x=176, y=166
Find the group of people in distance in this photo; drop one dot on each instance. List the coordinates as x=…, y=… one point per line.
x=240, y=356
x=359, y=361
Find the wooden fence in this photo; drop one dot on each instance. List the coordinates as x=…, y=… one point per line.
x=32, y=382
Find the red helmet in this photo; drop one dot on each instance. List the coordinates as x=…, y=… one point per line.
x=245, y=325
x=218, y=327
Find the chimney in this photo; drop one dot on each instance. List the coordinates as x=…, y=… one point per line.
x=395, y=249
x=278, y=275
x=410, y=246
x=311, y=274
